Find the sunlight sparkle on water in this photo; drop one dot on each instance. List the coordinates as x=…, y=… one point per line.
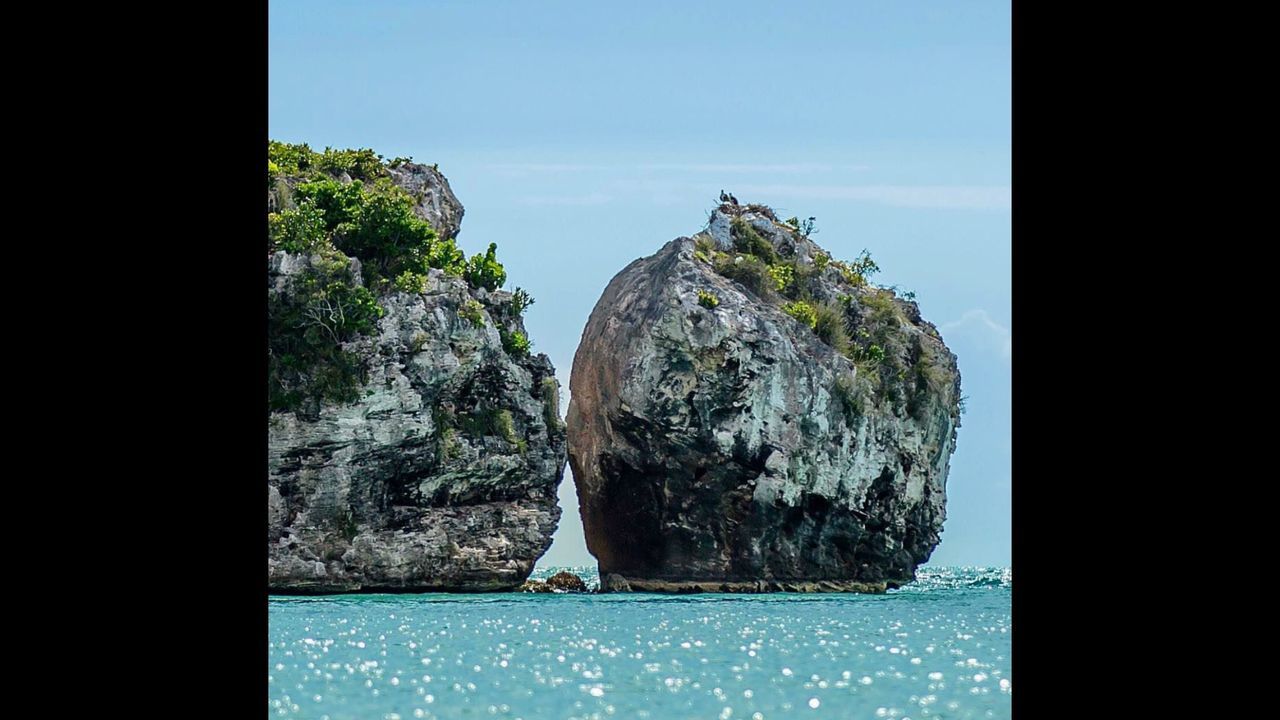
x=937, y=648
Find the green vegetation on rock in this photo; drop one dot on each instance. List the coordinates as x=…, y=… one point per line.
x=551, y=402
x=411, y=282
x=473, y=312
x=485, y=271
x=484, y=422
x=515, y=343
x=849, y=397
x=749, y=242
x=301, y=230
x=307, y=326
x=376, y=224
x=334, y=206
x=520, y=301
x=783, y=275
x=858, y=272
x=299, y=159
x=831, y=326
x=504, y=426
x=802, y=311
x=861, y=325
x=748, y=270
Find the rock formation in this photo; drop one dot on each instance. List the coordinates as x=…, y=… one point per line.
x=565, y=581
x=440, y=472
x=561, y=582
x=786, y=429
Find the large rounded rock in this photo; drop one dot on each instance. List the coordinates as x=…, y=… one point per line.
x=719, y=444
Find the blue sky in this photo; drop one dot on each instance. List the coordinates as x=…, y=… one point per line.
x=583, y=135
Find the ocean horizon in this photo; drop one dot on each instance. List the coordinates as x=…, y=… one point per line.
x=939, y=647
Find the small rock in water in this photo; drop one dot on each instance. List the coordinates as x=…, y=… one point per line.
x=614, y=582
x=566, y=582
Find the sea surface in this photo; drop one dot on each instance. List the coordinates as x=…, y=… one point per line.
x=937, y=648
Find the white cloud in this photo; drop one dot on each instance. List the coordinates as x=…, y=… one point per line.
x=949, y=197
x=727, y=168
x=527, y=169
x=978, y=323
x=595, y=198
x=518, y=170
x=545, y=167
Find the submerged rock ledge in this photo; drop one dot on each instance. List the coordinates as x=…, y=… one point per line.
x=616, y=583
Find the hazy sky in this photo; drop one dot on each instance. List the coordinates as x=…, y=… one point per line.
x=582, y=135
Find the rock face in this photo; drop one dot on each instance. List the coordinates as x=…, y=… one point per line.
x=723, y=446
x=442, y=476
x=567, y=582
x=561, y=582
x=436, y=202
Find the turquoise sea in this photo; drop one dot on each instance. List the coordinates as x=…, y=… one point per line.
x=937, y=648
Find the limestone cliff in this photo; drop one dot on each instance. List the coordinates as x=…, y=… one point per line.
x=438, y=468
x=749, y=414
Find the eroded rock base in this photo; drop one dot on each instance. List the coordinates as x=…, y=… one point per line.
x=617, y=583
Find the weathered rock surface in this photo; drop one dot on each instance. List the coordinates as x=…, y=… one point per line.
x=436, y=202
x=730, y=449
x=567, y=582
x=443, y=475
x=561, y=582
x=536, y=586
